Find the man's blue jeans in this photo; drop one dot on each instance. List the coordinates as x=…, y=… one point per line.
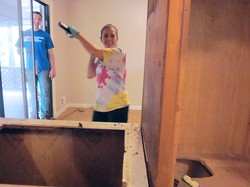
x=31, y=85
x=44, y=85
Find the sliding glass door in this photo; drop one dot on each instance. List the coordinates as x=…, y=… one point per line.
x=17, y=84
x=18, y=91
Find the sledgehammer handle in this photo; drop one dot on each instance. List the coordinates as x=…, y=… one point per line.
x=64, y=27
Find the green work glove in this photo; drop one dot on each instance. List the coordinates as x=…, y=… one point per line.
x=73, y=32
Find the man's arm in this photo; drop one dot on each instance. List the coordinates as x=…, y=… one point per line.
x=52, y=72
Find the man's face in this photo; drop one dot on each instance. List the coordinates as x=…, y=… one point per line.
x=37, y=20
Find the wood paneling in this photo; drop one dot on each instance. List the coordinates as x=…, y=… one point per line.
x=61, y=156
x=164, y=46
x=153, y=81
x=215, y=118
x=196, y=97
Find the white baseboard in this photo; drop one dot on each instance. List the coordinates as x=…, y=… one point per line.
x=77, y=105
x=133, y=107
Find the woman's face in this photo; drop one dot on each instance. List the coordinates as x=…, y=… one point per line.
x=109, y=38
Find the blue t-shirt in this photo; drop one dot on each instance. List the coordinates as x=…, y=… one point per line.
x=42, y=42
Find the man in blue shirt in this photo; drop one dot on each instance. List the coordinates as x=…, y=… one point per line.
x=44, y=64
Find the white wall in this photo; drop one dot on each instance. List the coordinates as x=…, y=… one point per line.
x=89, y=16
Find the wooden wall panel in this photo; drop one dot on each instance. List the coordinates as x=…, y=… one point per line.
x=153, y=81
x=216, y=113
x=210, y=114
x=161, y=83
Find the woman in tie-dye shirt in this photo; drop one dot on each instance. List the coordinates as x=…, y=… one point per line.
x=108, y=65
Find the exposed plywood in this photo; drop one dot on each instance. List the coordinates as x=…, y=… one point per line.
x=178, y=24
x=153, y=81
x=61, y=157
x=212, y=110
x=63, y=145
x=161, y=83
x=216, y=113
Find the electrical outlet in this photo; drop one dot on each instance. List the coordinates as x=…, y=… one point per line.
x=63, y=100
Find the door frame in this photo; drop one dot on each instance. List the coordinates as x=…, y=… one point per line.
x=46, y=22
x=1, y=96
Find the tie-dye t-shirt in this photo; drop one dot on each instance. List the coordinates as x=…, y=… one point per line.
x=111, y=93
